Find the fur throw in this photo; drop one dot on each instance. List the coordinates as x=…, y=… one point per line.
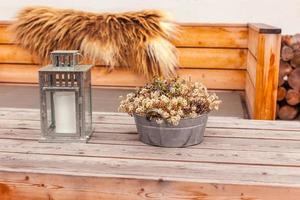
x=136, y=40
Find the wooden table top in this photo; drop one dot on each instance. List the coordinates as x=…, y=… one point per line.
x=238, y=159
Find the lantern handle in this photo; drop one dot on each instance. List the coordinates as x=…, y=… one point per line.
x=80, y=60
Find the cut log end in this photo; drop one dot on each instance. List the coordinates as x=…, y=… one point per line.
x=281, y=93
x=294, y=79
x=288, y=112
x=295, y=61
x=293, y=97
x=287, y=53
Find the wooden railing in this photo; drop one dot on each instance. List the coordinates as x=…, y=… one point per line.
x=215, y=55
x=222, y=56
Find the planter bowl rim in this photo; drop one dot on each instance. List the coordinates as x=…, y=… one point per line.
x=187, y=118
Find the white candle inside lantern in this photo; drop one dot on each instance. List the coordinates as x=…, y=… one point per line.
x=65, y=112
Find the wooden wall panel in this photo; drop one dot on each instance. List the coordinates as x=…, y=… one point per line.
x=212, y=36
x=5, y=35
x=188, y=57
x=214, y=79
x=213, y=58
x=15, y=54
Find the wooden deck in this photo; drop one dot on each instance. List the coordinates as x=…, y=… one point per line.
x=239, y=159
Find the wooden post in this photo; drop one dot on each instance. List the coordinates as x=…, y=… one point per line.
x=262, y=70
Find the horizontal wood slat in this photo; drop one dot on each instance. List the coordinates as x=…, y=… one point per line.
x=210, y=36
x=36, y=186
x=212, y=58
x=188, y=57
x=214, y=79
x=281, y=140
x=5, y=35
x=17, y=55
x=231, y=163
x=191, y=35
x=210, y=155
x=286, y=130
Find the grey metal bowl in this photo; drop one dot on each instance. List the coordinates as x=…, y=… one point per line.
x=189, y=131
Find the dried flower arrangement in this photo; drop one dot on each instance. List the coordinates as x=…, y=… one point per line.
x=170, y=100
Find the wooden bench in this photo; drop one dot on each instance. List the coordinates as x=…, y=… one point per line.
x=239, y=159
x=223, y=56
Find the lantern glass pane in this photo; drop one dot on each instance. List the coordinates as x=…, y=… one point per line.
x=65, y=112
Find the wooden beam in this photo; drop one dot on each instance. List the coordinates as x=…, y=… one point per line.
x=264, y=52
x=213, y=78
x=267, y=76
x=188, y=57
x=36, y=186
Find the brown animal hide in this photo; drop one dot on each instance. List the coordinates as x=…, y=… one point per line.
x=136, y=40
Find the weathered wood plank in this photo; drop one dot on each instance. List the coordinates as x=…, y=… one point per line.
x=275, y=141
x=11, y=114
x=150, y=169
x=117, y=125
x=214, y=79
x=224, y=156
x=33, y=186
x=188, y=57
x=227, y=157
x=111, y=136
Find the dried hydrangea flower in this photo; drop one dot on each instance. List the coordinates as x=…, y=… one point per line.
x=170, y=100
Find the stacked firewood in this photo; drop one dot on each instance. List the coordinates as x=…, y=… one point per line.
x=288, y=97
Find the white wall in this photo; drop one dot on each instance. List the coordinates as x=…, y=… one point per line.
x=281, y=13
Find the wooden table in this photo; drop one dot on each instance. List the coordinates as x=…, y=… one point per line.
x=239, y=159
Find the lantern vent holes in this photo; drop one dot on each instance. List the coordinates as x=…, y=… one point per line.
x=62, y=79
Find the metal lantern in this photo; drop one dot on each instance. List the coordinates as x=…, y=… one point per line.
x=65, y=94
